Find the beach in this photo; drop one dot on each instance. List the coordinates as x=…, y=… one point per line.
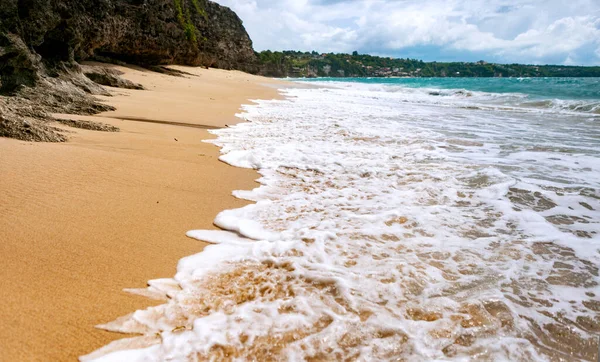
x=399, y=218
x=82, y=220
x=226, y=180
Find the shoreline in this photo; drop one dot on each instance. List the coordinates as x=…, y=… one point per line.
x=83, y=220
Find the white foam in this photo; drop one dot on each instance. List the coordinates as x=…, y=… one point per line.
x=149, y=354
x=216, y=236
x=379, y=207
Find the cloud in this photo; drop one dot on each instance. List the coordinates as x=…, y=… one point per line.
x=529, y=31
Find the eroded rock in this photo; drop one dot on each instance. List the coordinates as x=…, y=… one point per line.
x=41, y=43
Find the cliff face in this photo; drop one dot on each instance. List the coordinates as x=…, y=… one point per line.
x=40, y=37
x=41, y=42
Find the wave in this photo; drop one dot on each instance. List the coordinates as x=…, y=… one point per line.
x=386, y=229
x=476, y=99
x=536, y=88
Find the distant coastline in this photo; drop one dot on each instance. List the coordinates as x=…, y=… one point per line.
x=296, y=64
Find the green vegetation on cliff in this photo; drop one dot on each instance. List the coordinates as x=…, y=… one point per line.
x=200, y=9
x=185, y=18
x=313, y=64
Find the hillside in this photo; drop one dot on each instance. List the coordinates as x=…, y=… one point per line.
x=313, y=64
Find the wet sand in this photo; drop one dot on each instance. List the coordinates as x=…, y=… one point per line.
x=82, y=220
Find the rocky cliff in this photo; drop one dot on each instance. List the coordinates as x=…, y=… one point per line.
x=51, y=33
x=42, y=41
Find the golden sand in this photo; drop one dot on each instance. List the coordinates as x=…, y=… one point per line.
x=82, y=220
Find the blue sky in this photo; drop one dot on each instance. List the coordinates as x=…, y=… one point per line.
x=504, y=31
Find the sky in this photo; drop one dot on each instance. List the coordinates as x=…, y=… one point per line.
x=501, y=31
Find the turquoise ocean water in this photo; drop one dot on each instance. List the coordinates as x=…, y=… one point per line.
x=534, y=88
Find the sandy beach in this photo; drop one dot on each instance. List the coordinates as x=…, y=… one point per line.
x=80, y=221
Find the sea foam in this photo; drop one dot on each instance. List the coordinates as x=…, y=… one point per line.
x=391, y=225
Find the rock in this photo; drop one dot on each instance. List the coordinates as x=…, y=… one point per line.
x=25, y=115
x=18, y=66
x=89, y=125
x=109, y=77
x=169, y=71
x=154, y=33
x=14, y=126
x=144, y=32
x=42, y=41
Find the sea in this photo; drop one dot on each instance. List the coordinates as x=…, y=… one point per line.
x=408, y=219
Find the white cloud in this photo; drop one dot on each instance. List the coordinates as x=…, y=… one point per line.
x=532, y=31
